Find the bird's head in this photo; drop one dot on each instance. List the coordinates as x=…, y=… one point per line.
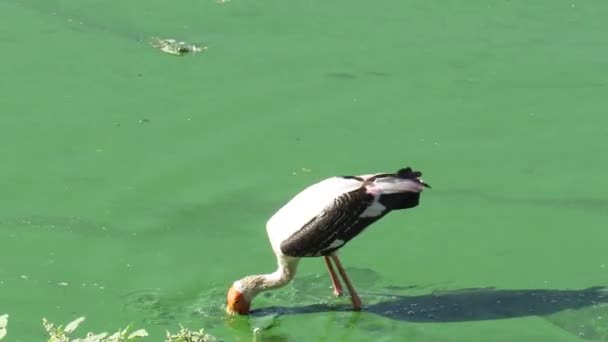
x=237, y=302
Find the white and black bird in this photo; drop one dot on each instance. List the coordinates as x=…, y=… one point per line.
x=319, y=221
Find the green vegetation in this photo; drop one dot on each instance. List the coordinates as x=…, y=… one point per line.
x=62, y=334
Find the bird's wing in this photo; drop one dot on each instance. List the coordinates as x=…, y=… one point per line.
x=333, y=227
x=305, y=206
x=326, y=215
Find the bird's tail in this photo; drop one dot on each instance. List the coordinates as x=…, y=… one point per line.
x=408, y=173
x=404, y=180
x=400, y=190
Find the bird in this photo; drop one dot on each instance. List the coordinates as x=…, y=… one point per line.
x=319, y=221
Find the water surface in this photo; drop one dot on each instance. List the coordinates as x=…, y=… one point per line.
x=136, y=184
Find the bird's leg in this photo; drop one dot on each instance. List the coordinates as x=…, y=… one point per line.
x=353, y=294
x=334, y=278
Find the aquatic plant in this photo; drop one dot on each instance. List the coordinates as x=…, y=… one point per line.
x=62, y=334
x=186, y=335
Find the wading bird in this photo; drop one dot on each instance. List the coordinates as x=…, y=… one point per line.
x=319, y=221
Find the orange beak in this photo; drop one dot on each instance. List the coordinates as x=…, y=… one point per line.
x=236, y=303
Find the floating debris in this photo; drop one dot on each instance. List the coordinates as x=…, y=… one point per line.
x=174, y=47
x=303, y=170
x=3, y=324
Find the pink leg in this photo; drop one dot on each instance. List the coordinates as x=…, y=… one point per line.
x=334, y=278
x=353, y=294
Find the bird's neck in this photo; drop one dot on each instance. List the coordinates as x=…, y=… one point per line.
x=252, y=285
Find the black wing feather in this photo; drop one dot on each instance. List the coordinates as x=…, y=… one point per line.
x=339, y=221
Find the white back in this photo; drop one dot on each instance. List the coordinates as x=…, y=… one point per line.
x=307, y=204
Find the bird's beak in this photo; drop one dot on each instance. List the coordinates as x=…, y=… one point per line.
x=236, y=303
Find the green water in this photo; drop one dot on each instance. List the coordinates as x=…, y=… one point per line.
x=135, y=185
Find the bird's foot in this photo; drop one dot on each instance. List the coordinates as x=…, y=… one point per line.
x=337, y=287
x=356, y=302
